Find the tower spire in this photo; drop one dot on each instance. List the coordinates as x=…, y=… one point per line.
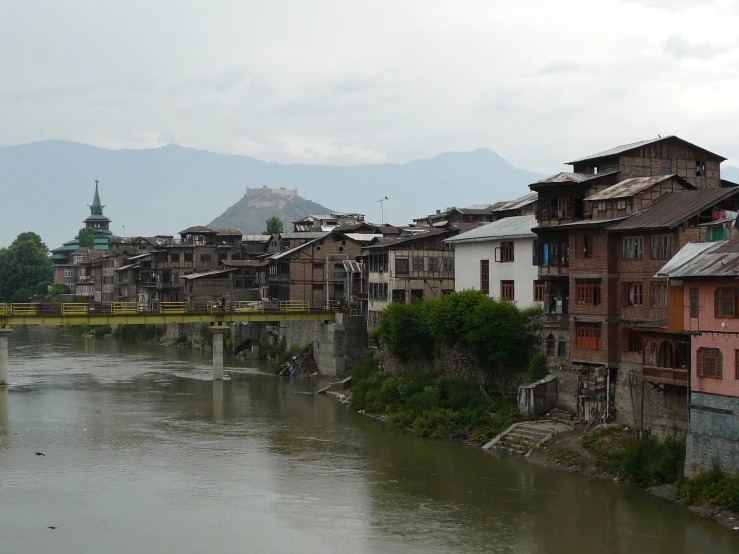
x=96, y=208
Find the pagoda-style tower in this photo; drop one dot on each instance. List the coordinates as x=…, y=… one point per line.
x=97, y=221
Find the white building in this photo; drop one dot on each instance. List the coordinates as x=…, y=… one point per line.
x=497, y=259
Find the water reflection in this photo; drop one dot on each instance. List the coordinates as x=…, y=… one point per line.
x=4, y=428
x=218, y=400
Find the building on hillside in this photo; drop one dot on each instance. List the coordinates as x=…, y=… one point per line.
x=72, y=263
x=703, y=309
x=321, y=271
x=498, y=259
x=408, y=268
x=601, y=231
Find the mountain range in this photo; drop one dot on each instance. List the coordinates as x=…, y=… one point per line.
x=46, y=186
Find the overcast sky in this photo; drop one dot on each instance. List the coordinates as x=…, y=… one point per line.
x=348, y=81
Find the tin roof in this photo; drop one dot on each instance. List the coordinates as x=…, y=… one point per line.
x=198, y=229
x=520, y=202
x=670, y=210
x=704, y=259
x=228, y=232
x=633, y=145
x=207, y=274
x=303, y=235
x=398, y=241
x=508, y=227
x=629, y=187
x=255, y=238
x=565, y=177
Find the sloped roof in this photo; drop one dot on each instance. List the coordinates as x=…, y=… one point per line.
x=670, y=210
x=255, y=238
x=520, y=202
x=704, y=259
x=629, y=187
x=198, y=229
x=508, y=227
x=398, y=241
x=633, y=145
x=228, y=232
x=207, y=274
x=565, y=177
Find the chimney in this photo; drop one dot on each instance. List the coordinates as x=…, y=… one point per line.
x=438, y=212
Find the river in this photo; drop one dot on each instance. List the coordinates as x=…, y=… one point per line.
x=143, y=453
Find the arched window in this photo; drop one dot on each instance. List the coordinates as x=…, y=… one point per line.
x=550, y=345
x=650, y=353
x=710, y=363
x=562, y=347
x=666, y=354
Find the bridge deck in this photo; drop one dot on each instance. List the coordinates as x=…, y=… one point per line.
x=132, y=313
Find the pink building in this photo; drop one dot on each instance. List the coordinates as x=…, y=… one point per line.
x=704, y=305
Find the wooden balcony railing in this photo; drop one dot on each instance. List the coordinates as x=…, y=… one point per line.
x=665, y=375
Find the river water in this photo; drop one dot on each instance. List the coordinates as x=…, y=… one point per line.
x=143, y=453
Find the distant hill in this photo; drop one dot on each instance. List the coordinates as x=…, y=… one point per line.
x=46, y=186
x=253, y=210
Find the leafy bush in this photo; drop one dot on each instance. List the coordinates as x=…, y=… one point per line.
x=712, y=485
x=138, y=333
x=537, y=367
x=404, y=330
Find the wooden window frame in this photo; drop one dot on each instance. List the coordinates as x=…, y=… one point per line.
x=662, y=247
x=485, y=276
x=587, y=246
x=399, y=262
x=632, y=299
x=539, y=290
x=434, y=264
x=508, y=290
x=418, y=264
x=588, y=337
x=633, y=248
x=658, y=291
x=588, y=292
x=716, y=359
x=694, y=302
x=725, y=297
x=632, y=340
x=507, y=252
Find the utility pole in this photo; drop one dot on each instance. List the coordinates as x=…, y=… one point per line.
x=382, y=207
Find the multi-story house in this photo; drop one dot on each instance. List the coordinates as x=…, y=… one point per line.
x=497, y=259
x=325, y=222
x=594, y=227
x=703, y=308
x=408, y=268
x=320, y=271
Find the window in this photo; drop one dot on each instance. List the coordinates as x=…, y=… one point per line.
x=378, y=291
x=447, y=263
x=726, y=302
x=632, y=294
x=736, y=364
x=700, y=168
x=693, y=302
x=535, y=253
x=188, y=257
x=174, y=257
x=710, y=363
x=539, y=287
x=659, y=295
x=416, y=295
x=399, y=295
x=662, y=247
x=485, y=276
x=504, y=253
x=401, y=266
x=507, y=290
x=588, y=337
x=587, y=292
x=621, y=205
x=317, y=265
x=631, y=340
x=318, y=287
x=562, y=347
x=69, y=272
x=418, y=263
x=601, y=206
x=550, y=345
x=205, y=257
x=433, y=264
x=586, y=246
x=633, y=248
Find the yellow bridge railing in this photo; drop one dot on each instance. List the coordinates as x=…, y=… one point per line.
x=3, y=310
x=75, y=308
x=248, y=307
x=172, y=307
x=24, y=309
x=295, y=306
x=124, y=308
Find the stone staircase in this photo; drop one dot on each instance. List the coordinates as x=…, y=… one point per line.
x=561, y=416
x=520, y=438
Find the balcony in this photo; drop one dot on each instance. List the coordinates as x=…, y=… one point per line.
x=665, y=375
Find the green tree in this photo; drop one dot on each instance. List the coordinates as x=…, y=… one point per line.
x=86, y=237
x=23, y=265
x=274, y=226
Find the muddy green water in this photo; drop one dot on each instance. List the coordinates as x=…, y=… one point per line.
x=143, y=453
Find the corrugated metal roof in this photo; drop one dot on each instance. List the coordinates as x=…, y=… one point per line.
x=508, y=227
x=565, y=177
x=244, y=263
x=707, y=259
x=581, y=223
x=629, y=187
x=303, y=235
x=670, y=210
x=520, y=202
x=255, y=238
x=207, y=274
x=397, y=241
x=631, y=146
x=197, y=229
x=362, y=237
x=228, y=232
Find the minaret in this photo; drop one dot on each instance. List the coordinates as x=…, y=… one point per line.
x=97, y=221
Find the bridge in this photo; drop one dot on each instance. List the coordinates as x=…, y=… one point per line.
x=217, y=314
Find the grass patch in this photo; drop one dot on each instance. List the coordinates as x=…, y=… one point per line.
x=645, y=462
x=713, y=486
x=568, y=457
x=433, y=405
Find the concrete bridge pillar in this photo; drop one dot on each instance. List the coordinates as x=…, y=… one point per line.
x=4, y=332
x=217, y=333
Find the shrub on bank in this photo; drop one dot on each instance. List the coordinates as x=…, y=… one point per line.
x=714, y=486
x=645, y=462
x=433, y=405
x=138, y=333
